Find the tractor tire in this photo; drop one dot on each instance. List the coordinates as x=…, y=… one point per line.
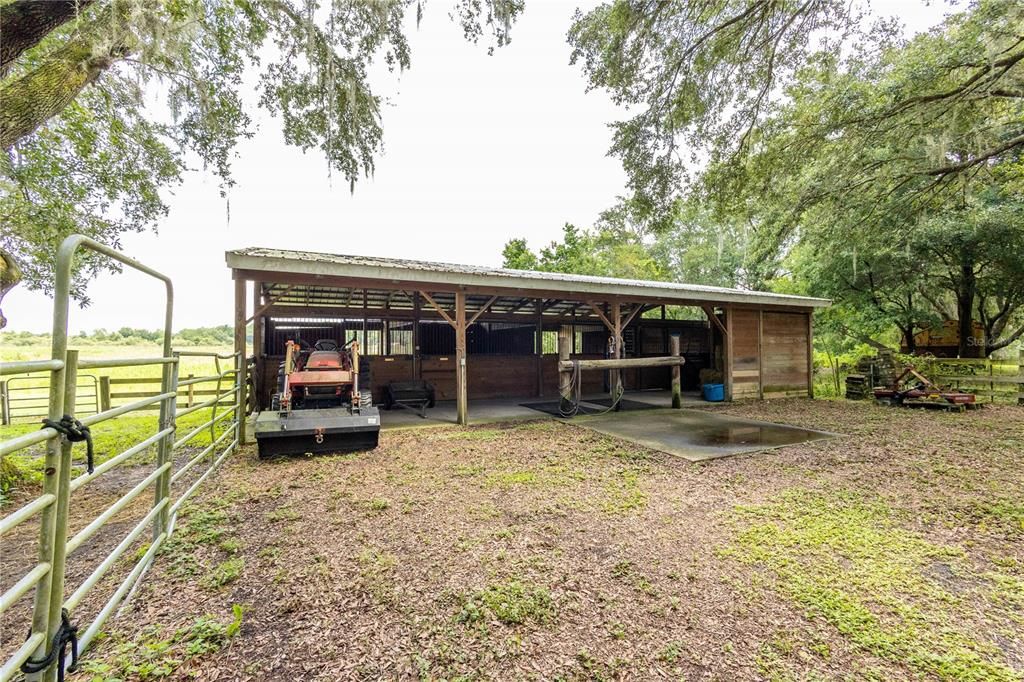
x=365, y=381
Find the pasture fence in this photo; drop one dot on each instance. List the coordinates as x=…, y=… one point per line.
x=173, y=479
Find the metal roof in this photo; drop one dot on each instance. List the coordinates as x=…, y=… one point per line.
x=446, y=275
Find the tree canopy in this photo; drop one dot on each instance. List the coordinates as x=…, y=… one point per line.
x=82, y=151
x=811, y=148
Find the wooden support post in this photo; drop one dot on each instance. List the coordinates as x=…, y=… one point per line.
x=240, y=366
x=615, y=377
x=460, y=358
x=564, y=376
x=677, y=384
x=810, y=355
x=540, y=347
x=417, y=361
x=191, y=393
x=727, y=354
x=760, y=354
x=257, y=322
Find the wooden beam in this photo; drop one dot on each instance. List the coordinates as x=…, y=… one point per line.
x=442, y=311
x=270, y=301
x=677, y=394
x=638, y=308
x=616, y=374
x=257, y=324
x=402, y=314
x=519, y=306
x=727, y=355
x=564, y=375
x=343, y=283
x=240, y=366
x=539, y=347
x=417, y=360
x=622, y=363
x=482, y=310
x=810, y=355
x=600, y=313
x=710, y=312
x=760, y=354
x=461, y=407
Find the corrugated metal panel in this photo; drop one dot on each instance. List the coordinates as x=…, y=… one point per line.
x=343, y=265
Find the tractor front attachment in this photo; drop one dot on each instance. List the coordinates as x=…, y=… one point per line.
x=317, y=431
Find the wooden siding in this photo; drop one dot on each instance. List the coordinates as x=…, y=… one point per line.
x=746, y=374
x=786, y=346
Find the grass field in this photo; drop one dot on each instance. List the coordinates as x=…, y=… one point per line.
x=23, y=470
x=545, y=551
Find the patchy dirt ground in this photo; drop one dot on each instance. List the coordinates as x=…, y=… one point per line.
x=546, y=551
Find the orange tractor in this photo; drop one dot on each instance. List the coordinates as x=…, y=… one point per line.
x=318, y=407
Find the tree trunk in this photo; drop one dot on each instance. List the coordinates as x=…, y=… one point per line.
x=908, y=336
x=38, y=96
x=24, y=23
x=965, y=309
x=10, y=276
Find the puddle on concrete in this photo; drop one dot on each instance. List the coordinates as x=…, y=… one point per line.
x=769, y=436
x=697, y=434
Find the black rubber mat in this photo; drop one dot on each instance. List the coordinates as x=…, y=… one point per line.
x=549, y=407
x=624, y=405
x=589, y=406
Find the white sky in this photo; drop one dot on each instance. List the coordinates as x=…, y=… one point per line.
x=478, y=149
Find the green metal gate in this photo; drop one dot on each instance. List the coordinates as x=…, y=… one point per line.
x=47, y=578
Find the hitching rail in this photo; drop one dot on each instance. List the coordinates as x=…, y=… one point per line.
x=54, y=504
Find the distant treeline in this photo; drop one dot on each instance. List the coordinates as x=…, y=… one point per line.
x=131, y=336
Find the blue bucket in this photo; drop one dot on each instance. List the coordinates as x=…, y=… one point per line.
x=714, y=393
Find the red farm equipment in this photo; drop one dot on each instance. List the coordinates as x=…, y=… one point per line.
x=912, y=389
x=318, y=407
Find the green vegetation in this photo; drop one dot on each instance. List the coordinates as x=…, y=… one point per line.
x=151, y=657
x=77, y=81
x=110, y=438
x=847, y=560
x=224, y=573
x=513, y=603
x=222, y=336
x=878, y=169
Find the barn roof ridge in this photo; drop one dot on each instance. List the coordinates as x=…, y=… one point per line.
x=377, y=267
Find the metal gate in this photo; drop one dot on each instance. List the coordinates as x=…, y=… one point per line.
x=172, y=485
x=27, y=397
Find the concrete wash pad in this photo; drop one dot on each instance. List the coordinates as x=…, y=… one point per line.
x=697, y=435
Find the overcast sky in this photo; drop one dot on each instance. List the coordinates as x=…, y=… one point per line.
x=478, y=149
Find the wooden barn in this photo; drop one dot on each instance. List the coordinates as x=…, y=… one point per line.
x=495, y=331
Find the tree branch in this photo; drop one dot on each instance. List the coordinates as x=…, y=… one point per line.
x=24, y=24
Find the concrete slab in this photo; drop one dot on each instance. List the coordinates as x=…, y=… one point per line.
x=698, y=435
x=489, y=411
x=443, y=414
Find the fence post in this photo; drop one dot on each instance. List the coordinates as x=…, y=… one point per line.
x=60, y=535
x=5, y=406
x=991, y=386
x=1020, y=373
x=677, y=394
x=191, y=392
x=164, y=450
x=104, y=393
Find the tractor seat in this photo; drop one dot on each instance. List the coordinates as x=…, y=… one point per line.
x=324, y=359
x=326, y=344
